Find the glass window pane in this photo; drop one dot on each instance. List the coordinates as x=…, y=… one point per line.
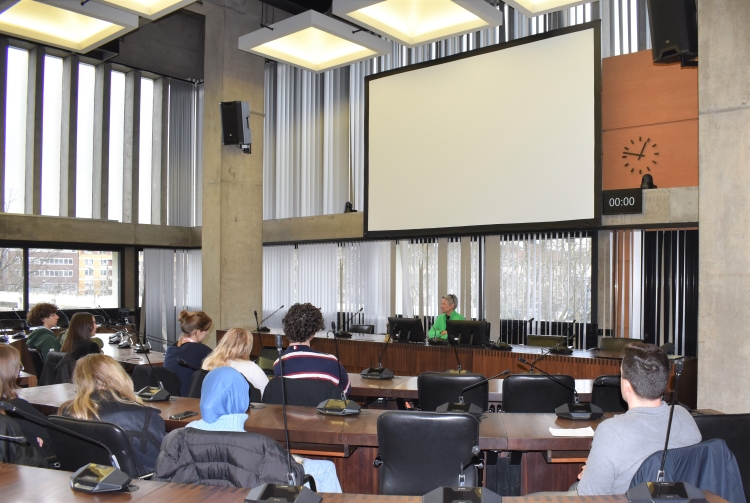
x=51, y=130
x=74, y=279
x=85, y=141
x=147, y=130
x=11, y=279
x=15, y=130
x=116, y=144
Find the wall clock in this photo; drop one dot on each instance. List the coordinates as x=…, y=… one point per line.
x=640, y=156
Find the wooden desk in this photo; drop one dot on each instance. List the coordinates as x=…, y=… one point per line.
x=26, y=380
x=129, y=359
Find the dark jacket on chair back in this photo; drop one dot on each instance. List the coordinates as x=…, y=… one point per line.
x=221, y=458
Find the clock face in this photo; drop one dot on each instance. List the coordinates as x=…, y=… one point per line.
x=640, y=156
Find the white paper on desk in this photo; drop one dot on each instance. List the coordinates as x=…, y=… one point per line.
x=572, y=432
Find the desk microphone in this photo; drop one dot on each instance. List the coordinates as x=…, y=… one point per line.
x=65, y=316
x=90, y=478
x=109, y=321
x=336, y=407
x=24, y=326
x=564, y=349
x=458, y=361
x=152, y=393
x=461, y=493
x=14, y=440
x=380, y=372
x=261, y=327
x=574, y=410
x=345, y=334
x=290, y=492
x=471, y=408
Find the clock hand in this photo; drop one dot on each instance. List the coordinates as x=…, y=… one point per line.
x=632, y=153
x=644, y=148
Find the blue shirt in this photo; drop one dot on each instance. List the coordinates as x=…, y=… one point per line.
x=303, y=362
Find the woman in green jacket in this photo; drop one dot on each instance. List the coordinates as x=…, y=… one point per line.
x=44, y=316
x=448, y=312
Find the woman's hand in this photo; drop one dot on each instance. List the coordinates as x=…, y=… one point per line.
x=444, y=332
x=581, y=474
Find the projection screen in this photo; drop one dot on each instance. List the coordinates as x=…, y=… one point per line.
x=502, y=138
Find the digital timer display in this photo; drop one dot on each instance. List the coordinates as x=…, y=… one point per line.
x=621, y=202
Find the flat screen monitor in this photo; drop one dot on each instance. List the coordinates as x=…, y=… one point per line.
x=406, y=330
x=468, y=333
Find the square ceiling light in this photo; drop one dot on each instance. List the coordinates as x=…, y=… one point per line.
x=150, y=9
x=532, y=8
x=418, y=22
x=314, y=42
x=64, y=23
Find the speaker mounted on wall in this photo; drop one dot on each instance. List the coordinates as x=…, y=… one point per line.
x=674, y=31
x=235, y=124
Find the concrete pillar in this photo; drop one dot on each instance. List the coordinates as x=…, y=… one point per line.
x=131, y=151
x=69, y=137
x=724, y=213
x=160, y=148
x=34, y=112
x=232, y=180
x=3, y=92
x=100, y=184
x=129, y=264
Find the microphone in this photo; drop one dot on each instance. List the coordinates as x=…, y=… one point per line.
x=262, y=328
x=24, y=325
x=344, y=334
x=336, y=407
x=151, y=393
x=281, y=492
x=257, y=323
x=15, y=440
x=564, y=350
x=471, y=408
x=109, y=320
x=458, y=361
x=183, y=363
x=574, y=410
x=466, y=462
x=461, y=492
x=380, y=372
x=65, y=316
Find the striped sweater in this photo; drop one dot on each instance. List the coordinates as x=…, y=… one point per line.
x=303, y=362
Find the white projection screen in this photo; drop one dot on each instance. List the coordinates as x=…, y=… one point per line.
x=499, y=139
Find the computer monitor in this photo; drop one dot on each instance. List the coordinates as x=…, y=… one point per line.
x=406, y=330
x=468, y=333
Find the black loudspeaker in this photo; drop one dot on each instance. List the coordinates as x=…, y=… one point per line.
x=674, y=30
x=235, y=124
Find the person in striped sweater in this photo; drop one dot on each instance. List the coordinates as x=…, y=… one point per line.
x=301, y=323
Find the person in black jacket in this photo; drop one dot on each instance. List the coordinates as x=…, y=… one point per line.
x=189, y=347
x=36, y=435
x=18, y=453
x=78, y=343
x=104, y=392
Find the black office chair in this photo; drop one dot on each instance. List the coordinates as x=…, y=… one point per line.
x=708, y=465
x=419, y=451
x=436, y=388
x=73, y=453
x=535, y=393
x=145, y=375
x=606, y=394
x=734, y=429
x=304, y=392
x=37, y=361
x=362, y=329
x=197, y=384
x=51, y=361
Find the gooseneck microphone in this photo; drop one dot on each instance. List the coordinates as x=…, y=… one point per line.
x=15, y=440
x=344, y=333
x=289, y=475
x=335, y=407
x=257, y=323
x=151, y=393
x=458, y=361
x=561, y=349
x=379, y=372
x=261, y=327
x=64, y=316
x=109, y=321
x=465, y=463
x=471, y=408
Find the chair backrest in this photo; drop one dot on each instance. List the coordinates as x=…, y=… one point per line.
x=544, y=341
x=72, y=453
x=424, y=450
x=145, y=375
x=304, y=392
x=197, y=384
x=616, y=343
x=268, y=355
x=436, y=388
x=36, y=361
x=734, y=429
x=362, y=329
x=535, y=393
x=708, y=465
x=51, y=361
x=606, y=394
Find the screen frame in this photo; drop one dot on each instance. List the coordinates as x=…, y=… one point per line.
x=584, y=224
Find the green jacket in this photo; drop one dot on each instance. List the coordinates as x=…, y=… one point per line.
x=440, y=325
x=44, y=341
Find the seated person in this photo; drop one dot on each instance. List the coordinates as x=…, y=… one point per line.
x=42, y=339
x=191, y=456
x=189, y=347
x=104, y=392
x=623, y=442
x=301, y=323
x=14, y=452
x=234, y=351
x=36, y=434
x=447, y=312
x=79, y=342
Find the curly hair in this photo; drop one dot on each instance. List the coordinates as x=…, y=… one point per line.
x=39, y=312
x=301, y=322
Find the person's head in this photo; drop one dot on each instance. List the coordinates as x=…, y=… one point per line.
x=43, y=314
x=98, y=378
x=10, y=366
x=195, y=325
x=301, y=322
x=448, y=303
x=645, y=371
x=82, y=328
x=225, y=391
x=235, y=345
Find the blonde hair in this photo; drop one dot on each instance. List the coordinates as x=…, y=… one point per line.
x=235, y=345
x=98, y=378
x=192, y=321
x=10, y=366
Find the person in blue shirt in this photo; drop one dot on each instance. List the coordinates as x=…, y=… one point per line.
x=189, y=347
x=447, y=312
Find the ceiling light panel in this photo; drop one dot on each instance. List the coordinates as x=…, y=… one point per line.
x=314, y=42
x=418, y=22
x=532, y=8
x=150, y=9
x=64, y=23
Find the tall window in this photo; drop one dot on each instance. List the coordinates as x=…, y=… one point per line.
x=51, y=135
x=85, y=141
x=146, y=151
x=116, y=144
x=11, y=279
x=15, y=130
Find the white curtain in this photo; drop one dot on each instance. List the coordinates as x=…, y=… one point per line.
x=318, y=278
x=278, y=282
x=159, y=317
x=418, y=279
x=366, y=281
x=185, y=172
